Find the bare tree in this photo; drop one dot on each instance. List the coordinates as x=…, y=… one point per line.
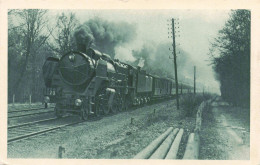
x=63, y=37
x=26, y=35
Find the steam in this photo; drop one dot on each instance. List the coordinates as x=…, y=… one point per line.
x=144, y=56
x=103, y=35
x=141, y=62
x=154, y=58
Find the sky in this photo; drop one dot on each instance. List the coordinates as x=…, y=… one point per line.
x=197, y=28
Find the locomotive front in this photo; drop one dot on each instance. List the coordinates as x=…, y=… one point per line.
x=76, y=68
x=66, y=81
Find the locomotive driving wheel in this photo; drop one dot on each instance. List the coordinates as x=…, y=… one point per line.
x=58, y=111
x=101, y=102
x=117, y=104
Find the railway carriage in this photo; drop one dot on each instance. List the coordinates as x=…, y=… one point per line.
x=183, y=88
x=161, y=87
x=186, y=88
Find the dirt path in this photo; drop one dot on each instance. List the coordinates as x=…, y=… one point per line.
x=225, y=133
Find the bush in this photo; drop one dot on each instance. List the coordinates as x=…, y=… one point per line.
x=190, y=102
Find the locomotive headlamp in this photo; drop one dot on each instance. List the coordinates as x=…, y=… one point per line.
x=46, y=99
x=78, y=102
x=72, y=57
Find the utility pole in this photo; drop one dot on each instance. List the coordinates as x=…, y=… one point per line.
x=194, y=79
x=175, y=62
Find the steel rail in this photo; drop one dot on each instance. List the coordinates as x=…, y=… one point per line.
x=40, y=132
x=30, y=123
x=26, y=110
x=9, y=117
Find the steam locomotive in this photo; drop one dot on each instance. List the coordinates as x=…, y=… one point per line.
x=91, y=83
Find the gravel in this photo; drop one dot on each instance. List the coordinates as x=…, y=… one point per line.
x=111, y=137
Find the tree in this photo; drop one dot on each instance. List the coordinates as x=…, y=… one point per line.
x=63, y=37
x=26, y=35
x=230, y=56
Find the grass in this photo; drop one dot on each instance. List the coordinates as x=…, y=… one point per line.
x=190, y=102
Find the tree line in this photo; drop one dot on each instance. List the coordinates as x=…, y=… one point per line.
x=32, y=37
x=230, y=56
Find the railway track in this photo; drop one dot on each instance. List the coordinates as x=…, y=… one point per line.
x=26, y=130
x=16, y=116
x=30, y=129
x=28, y=114
x=26, y=110
x=31, y=123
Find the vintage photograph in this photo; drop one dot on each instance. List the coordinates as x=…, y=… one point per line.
x=129, y=84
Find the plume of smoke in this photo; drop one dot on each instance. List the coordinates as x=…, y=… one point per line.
x=144, y=56
x=104, y=35
x=83, y=37
x=124, y=53
x=155, y=59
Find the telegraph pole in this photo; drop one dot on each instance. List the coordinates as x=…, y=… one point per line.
x=175, y=62
x=194, y=79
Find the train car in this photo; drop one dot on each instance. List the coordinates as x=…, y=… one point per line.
x=162, y=87
x=186, y=88
x=182, y=88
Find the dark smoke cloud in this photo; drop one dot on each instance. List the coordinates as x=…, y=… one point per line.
x=103, y=35
x=83, y=37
